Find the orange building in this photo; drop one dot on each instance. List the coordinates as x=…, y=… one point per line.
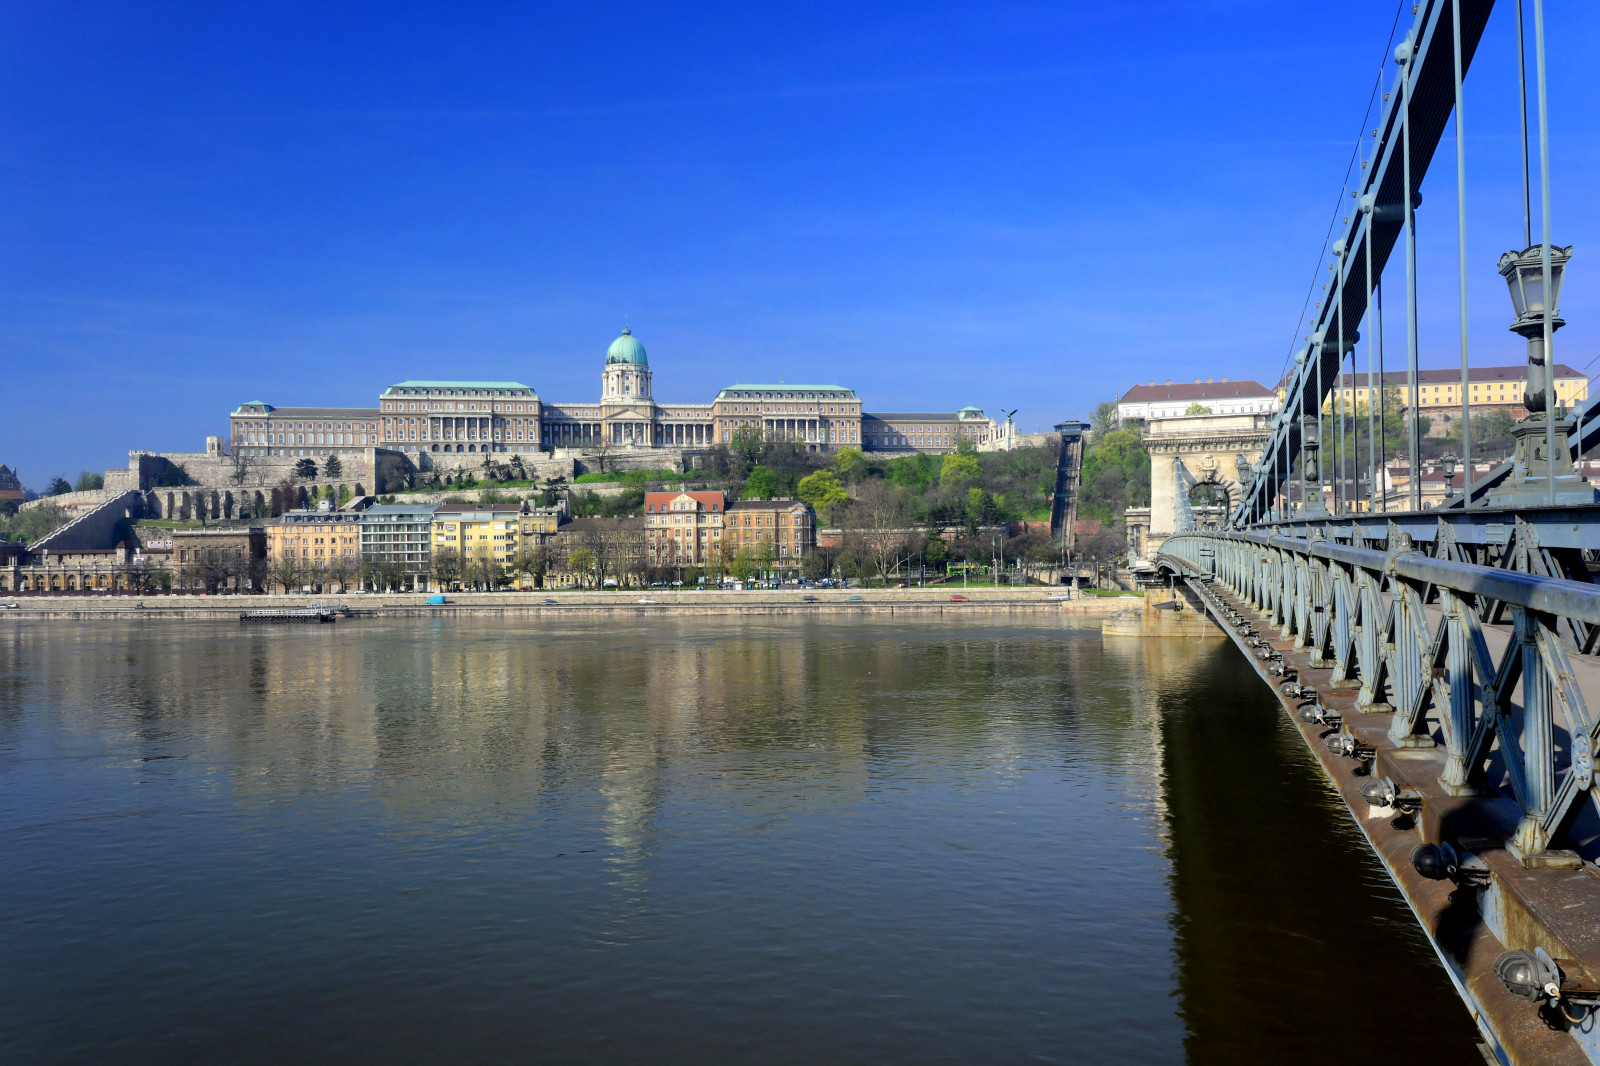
x=790, y=525
x=314, y=540
x=683, y=528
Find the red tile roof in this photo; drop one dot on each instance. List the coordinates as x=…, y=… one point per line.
x=657, y=501
x=1516, y=373
x=1199, y=390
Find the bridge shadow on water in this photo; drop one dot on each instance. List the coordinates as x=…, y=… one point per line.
x=1292, y=944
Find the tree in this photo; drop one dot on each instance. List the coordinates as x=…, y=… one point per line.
x=850, y=463
x=306, y=469
x=34, y=523
x=339, y=570
x=58, y=486
x=822, y=491
x=935, y=552
x=532, y=561
x=855, y=554
x=880, y=513
x=762, y=484
x=743, y=565
x=172, y=475
x=1197, y=409
x=583, y=561
x=287, y=571
x=749, y=442
x=765, y=554
x=1106, y=418
x=241, y=466
x=601, y=448
x=446, y=566
x=1116, y=476
x=814, y=566
x=981, y=508
x=88, y=481
x=960, y=470
x=332, y=467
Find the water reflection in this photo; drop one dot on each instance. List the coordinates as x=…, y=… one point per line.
x=666, y=840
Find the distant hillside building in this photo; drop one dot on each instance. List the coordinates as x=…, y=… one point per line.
x=1142, y=403
x=1492, y=388
x=10, y=485
x=434, y=418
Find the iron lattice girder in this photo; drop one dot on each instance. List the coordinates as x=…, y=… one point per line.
x=1576, y=528
x=1364, y=612
x=1431, y=99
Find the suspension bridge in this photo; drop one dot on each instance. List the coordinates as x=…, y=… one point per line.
x=1443, y=664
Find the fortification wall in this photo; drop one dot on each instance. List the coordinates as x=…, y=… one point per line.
x=98, y=527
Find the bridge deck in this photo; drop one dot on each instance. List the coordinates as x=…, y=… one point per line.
x=1553, y=907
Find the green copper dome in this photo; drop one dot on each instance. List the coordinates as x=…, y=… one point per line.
x=626, y=349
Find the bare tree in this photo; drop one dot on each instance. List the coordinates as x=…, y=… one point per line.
x=879, y=514
x=287, y=571
x=338, y=569
x=446, y=566
x=601, y=448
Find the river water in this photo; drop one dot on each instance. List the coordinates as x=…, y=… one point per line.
x=681, y=840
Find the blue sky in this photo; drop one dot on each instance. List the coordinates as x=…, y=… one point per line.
x=1010, y=205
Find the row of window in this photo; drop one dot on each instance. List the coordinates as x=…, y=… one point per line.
x=519, y=407
x=287, y=426
x=334, y=440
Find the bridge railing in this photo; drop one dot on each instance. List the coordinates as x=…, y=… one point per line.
x=1415, y=636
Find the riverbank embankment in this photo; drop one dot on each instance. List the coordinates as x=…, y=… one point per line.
x=938, y=601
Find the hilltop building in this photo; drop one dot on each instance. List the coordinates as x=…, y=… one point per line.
x=1491, y=388
x=437, y=418
x=1142, y=403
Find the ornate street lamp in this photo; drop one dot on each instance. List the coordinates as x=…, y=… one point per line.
x=1448, y=462
x=1531, y=295
x=1524, y=274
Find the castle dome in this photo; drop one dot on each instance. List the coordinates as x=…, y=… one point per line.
x=626, y=349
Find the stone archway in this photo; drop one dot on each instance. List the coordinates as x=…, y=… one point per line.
x=1191, y=450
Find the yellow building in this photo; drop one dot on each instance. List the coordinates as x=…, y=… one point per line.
x=314, y=539
x=490, y=532
x=1439, y=391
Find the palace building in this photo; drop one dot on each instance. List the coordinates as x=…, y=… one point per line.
x=441, y=417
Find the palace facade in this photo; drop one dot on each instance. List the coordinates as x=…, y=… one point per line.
x=437, y=417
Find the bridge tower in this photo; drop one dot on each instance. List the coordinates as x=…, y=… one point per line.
x=1188, y=451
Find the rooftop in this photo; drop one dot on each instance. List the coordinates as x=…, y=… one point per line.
x=912, y=416
x=1199, y=390
x=502, y=385
x=1517, y=373
x=400, y=508
x=769, y=505
x=314, y=412
x=490, y=508
x=780, y=387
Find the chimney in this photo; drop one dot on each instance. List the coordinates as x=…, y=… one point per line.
x=1208, y=381
x=1224, y=381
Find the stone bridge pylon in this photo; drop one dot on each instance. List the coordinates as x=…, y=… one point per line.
x=1187, y=452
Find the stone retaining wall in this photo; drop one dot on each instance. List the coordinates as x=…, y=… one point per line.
x=873, y=601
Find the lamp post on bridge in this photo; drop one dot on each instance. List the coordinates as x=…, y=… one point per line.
x=1534, y=461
